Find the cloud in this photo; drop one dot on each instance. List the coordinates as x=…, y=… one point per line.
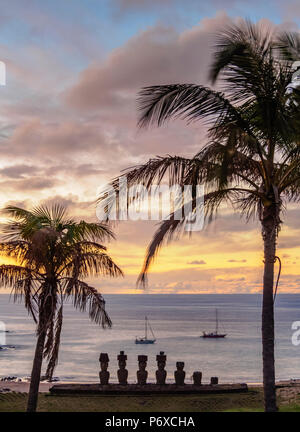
x=54, y=139
x=29, y=184
x=159, y=55
x=105, y=92
x=18, y=171
x=290, y=10
x=231, y=280
x=237, y=261
x=75, y=207
x=142, y=4
x=127, y=6
x=196, y=262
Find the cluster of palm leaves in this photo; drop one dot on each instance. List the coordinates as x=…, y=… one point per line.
x=53, y=254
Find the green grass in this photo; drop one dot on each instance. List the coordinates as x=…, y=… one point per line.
x=220, y=402
x=290, y=408
x=251, y=401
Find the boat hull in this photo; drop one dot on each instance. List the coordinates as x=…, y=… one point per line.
x=145, y=342
x=218, y=336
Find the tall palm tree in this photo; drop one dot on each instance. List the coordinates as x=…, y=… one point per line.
x=252, y=156
x=53, y=253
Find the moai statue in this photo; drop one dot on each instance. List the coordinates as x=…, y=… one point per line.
x=197, y=378
x=161, y=374
x=142, y=374
x=179, y=374
x=104, y=374
x=214, y=380
x=122, y=372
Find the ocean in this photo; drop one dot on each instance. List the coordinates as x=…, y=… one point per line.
x=177, y=321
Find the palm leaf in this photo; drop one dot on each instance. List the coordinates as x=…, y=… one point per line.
x=157, y=104
x=86, y=297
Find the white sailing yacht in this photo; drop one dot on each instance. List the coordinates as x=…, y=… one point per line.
x=145, y=339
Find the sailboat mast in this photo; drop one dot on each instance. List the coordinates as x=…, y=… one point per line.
x=217, y=323
x=153, y=335
x=145, y=327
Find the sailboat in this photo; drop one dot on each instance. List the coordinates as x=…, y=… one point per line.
x=145, y=340
x=215, y=334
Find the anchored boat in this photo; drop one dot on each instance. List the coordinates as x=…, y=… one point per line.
x=215, y=334
x=145, y=340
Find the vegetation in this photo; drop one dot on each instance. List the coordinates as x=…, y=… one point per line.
x=251, y=401
x=53, y=253
x=251, y=159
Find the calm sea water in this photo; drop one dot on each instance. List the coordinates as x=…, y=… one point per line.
x=177, y=321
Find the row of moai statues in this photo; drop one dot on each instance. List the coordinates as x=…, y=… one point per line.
x=142, y=374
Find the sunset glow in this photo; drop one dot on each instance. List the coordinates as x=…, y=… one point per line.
x=68, y=126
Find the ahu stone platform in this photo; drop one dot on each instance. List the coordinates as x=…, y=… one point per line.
x=136, y=389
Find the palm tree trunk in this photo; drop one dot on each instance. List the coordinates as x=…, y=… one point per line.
x=36, y=373
x=269, y=230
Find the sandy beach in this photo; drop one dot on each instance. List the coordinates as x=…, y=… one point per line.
x=22, y=387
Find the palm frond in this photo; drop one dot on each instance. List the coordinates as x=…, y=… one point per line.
x=241, y=46
x=88, y=231
x=25, y=223
x=93, y=264
x=87, y=297
x=288, y=45
x=17, y=213
x=243, y=57
x=16, y=249
x=23, y=284
x=158, y=104
x=52, y=215
x=220, y=164
x=215, y=166
x=171, y=168
x=11, y=274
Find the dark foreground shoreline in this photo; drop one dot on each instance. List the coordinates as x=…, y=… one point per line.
x=15, y=400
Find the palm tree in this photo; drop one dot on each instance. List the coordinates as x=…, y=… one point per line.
x=252, y=156
x=53, y=253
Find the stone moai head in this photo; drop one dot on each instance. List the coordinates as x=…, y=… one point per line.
x=142, y=359
x=161, y=359
x=142, y=374
x=180, y=366
x=122, y=360
x=179, y=373
x=122, y=372
x=197, y=378
x=104, y=360
x=104, y=374
x=161, y=373
x=214, y=380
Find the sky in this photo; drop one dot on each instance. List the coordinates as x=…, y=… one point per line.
x=68, y=124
